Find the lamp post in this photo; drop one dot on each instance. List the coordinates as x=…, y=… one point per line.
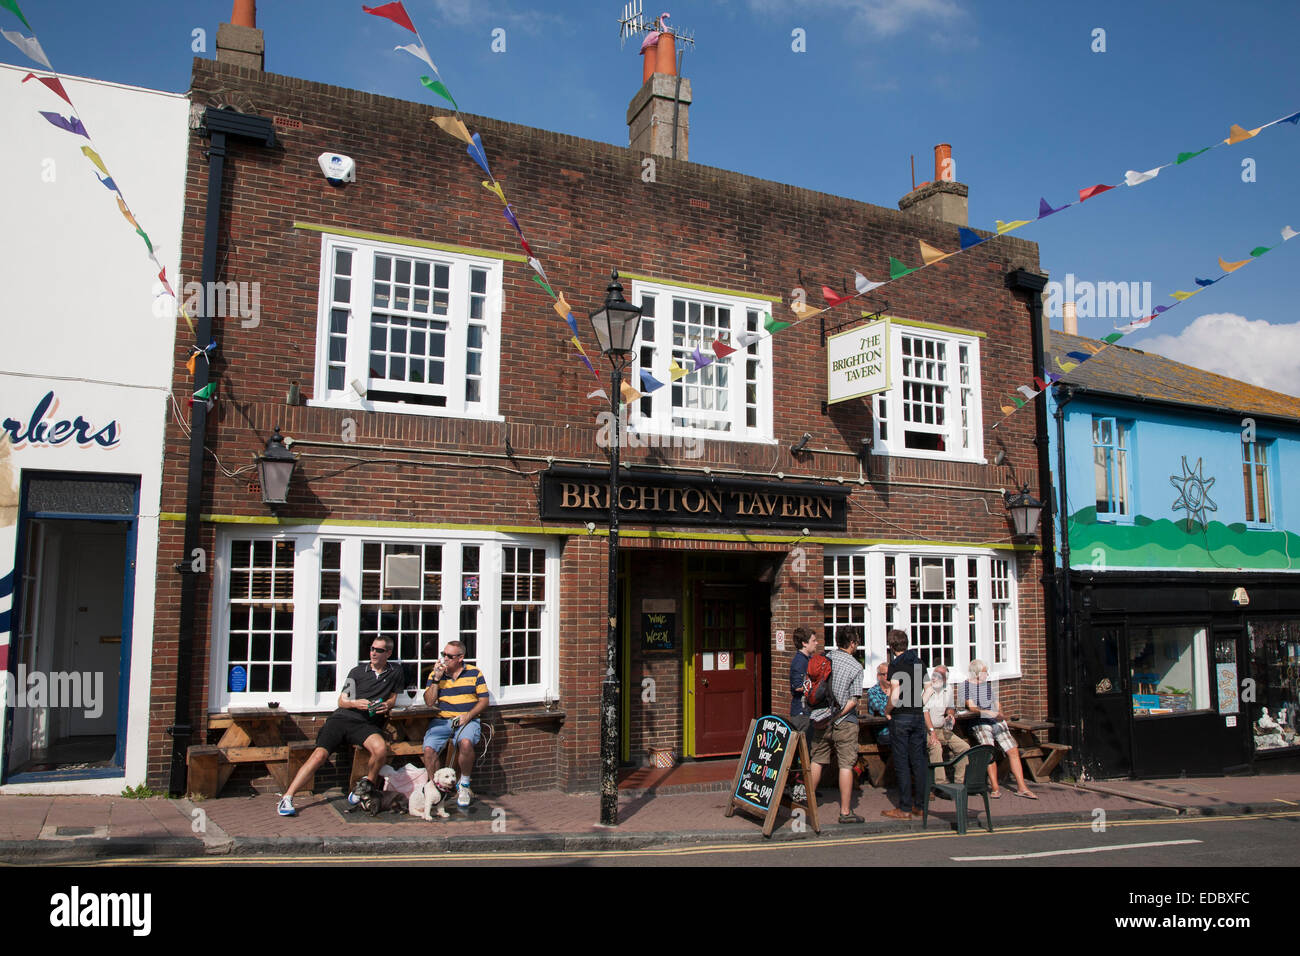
x=1026, y=511
x=616, y=326
x=274, y=469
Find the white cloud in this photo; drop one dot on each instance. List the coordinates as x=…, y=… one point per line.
x=948, y=22
x=1254, y=351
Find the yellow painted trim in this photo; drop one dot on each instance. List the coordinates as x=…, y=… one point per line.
x=701, y=288
x=688, y=650
x=402, y=241
x=599, y=532
x=928, y=325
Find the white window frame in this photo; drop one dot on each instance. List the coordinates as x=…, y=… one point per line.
x=302, y=697
x=875, y=626
x=1122, y=451
x=1258, y=454
x=888, y=406
x=360, y=301
x=659, y=353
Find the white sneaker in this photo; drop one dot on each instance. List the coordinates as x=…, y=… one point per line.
x=464, y=796
x=286, y=807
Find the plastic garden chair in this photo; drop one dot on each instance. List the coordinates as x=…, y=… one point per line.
x=975, y=784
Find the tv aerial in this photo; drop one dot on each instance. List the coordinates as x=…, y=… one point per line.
x=633, y=22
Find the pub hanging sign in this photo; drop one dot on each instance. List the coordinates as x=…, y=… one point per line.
x=582, y=494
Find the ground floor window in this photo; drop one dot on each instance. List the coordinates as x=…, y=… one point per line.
x=297, y=610
x=1169, y=670
x=1275, y=663
x=956, y=605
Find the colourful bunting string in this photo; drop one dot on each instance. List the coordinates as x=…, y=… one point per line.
x=1040, y=385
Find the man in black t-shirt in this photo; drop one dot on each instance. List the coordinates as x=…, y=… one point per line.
x=907, y=726
x=368, y=695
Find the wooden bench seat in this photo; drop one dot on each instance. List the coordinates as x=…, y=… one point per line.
x=210, y=766
x=396, y=748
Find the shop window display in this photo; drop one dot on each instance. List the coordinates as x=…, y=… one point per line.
x=1169, y=671
x=1275, y=664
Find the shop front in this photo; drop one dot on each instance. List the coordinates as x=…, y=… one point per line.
x=1181, y=676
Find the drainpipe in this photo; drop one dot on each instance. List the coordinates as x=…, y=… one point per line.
x=217, y=125
x=1068, y=649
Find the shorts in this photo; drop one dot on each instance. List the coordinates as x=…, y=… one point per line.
x=439, y=732
x=999, y=731
x=843, y=738
x=338, y=729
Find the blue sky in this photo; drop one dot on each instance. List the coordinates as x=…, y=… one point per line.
x=1015, y=86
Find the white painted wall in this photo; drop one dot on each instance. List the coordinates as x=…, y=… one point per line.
x=77, y=315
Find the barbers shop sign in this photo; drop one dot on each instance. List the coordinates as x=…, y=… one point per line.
x=582, y=494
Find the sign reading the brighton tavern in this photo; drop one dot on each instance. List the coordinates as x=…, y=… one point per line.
x=583, y=494
x=857, y=362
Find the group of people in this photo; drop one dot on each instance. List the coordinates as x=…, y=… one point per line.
x=369, y=693
x=920, y=713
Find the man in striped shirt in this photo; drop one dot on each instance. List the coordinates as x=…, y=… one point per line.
x=460, y=694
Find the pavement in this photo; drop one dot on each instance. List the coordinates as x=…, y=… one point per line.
x=36, y=829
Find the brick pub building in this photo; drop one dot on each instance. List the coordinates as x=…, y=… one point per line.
x=450, y=465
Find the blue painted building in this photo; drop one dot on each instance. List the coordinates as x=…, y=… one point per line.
x=1177, y=592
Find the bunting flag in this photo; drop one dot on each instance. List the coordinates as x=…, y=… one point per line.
x=969, y=237
x=509, y=213
x=99, y=163
x=454, y=126
x=745, y=339
x=108, y=182
x=69, y=123
x=126, y=213
x=676, y=371
x=1077, y=358
x=12, y=5
x=649, y=383
x=207, y=391
x=832, y=297
x=897, y=269
x=395, y=12
x=440, y=88
x=1238, y=135
x=1134, y=178
x=803, y=310
x=53, y=83
x=30, y=46
x=1184, y=157
x=537, y=267
x=1086, y=194
x=1044, y=210
x=720, y=350
x=545, y=285
x=701, y=359
x=495, y=189
x=629, y=394
x=772, y=325
x=480, y=157
x=929, y=254
x=599, y=393
x=418, y=50
x=1287, y=231
x=863, y=284
x=1005, y=227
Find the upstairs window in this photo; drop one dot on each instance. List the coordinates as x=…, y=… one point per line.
x=731, y=397
x=1255, y=482
x=1110, y=447
x=932, y=409
x=417, y=329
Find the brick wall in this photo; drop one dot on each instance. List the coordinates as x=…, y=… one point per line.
x=586, y=209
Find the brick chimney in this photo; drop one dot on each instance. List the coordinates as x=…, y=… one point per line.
x=944, y=198
x=662, y=104
x=240, y=42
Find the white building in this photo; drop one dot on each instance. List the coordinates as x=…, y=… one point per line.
x=85, y=369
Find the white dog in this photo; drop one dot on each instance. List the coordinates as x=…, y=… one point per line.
x=433, y=794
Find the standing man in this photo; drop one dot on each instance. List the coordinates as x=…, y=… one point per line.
x=460, y=694
x=368, y=694
x=907, y=727
x=840, y=730
x=805, y=646
x=939, y=725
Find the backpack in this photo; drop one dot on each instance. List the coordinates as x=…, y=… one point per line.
x=817, y=685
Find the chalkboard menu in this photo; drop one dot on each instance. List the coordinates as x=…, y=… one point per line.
x=760, y=780
x=658, y=631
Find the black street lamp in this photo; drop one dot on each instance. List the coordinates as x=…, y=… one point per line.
x=616, y=326
x=274, y=469
x=1026, y=510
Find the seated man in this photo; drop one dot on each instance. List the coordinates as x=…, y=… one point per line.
x=980, y=698
x=939, y=725
x=878, y=702
x=460, y=694
x=369, y=693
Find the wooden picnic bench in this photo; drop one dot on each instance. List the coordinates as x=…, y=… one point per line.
x=249, y=735
x=1039, y=758
x=404, y=731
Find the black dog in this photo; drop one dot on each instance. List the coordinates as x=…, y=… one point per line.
x=368, y=797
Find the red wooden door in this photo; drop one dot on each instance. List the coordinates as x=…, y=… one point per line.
x=727, y=666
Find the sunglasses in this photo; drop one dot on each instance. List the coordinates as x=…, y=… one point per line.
x=381, y=650
x=451, y=656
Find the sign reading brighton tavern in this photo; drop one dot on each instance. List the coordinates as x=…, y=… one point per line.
x=583, y=494
x=857, y=362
